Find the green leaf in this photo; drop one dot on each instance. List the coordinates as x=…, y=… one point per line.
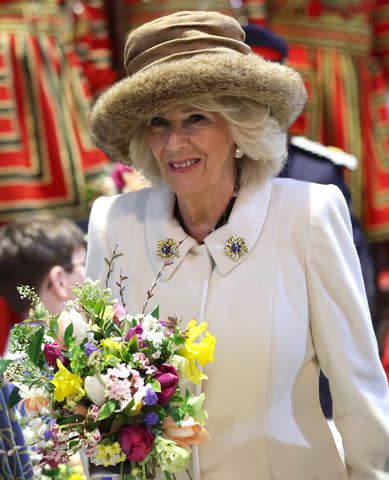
x=54, y=326
x=74, y=443
x=155, y=312
x=35, y=348
x=156, y=386
x=133, y=344
x=177, y=414
x=167, y=475
x=117, y=423
x=68, y=335
x=14, y=398
x=4, y=365
x=107, y=410
x=176, y=399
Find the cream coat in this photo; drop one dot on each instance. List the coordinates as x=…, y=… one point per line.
x=295, y=302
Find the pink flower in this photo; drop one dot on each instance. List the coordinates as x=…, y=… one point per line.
x=168, y=378
x=136, y=442
x=53, y=352
x=119, y=313
x=118, y=175
x=138, y=330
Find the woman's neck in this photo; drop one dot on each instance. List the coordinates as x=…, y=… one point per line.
x=201, y=211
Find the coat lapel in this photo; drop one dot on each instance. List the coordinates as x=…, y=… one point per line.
x=246, y=221
x=161, y=225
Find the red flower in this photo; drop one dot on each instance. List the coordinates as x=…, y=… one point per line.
x=168, y=378
x=136, y=442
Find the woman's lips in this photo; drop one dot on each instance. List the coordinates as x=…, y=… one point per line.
x=183, y=165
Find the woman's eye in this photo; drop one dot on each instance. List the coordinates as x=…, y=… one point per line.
x=196, y=118
x=158, y=122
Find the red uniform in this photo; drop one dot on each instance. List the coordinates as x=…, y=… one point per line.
x=52, y=63
x=341, y=48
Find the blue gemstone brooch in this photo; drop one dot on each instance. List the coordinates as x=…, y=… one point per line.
x=167, y=249
x=235, y=247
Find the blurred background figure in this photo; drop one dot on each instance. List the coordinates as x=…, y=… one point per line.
x=47, y=254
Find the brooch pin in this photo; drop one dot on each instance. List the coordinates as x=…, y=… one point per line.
x=235, y=247
x=167, y=249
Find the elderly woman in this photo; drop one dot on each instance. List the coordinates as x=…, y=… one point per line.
x=269, y=263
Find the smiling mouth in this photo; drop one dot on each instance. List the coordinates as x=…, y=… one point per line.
x=183, y=165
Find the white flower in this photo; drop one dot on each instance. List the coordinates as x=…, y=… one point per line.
x=80, y=326
x=95, y=389
x=152, y=331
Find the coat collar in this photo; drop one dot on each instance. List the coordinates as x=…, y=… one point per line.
x=246, y=221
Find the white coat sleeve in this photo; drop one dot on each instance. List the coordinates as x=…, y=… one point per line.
x=343, y=336
x=98, y=245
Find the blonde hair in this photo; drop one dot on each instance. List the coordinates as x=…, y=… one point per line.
x=252, y=128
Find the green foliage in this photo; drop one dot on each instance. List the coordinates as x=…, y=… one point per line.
x=107, y=410
x=156, y=386
x=34, y=351
x=155, y=312
x=4, y=364
x=53, y=326
x=68, y=335
x=78, y=360
x=20, y=338
x=92, y=299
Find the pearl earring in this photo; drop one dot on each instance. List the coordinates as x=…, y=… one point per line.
x=238, y=153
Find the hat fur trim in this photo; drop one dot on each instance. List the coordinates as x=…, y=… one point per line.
x=118, y=111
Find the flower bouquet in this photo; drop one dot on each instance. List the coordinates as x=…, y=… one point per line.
x=111, y=384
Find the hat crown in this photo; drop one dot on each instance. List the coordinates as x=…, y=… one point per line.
x=182, y=34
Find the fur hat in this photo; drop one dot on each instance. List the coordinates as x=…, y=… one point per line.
x=183, y=57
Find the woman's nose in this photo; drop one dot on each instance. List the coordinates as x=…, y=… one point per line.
x=177, y=138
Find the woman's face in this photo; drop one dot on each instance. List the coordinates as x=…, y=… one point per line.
x=193, y=149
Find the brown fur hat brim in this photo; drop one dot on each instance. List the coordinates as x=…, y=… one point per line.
x=119, y=110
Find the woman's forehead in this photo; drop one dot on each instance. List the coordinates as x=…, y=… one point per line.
x=180, y=110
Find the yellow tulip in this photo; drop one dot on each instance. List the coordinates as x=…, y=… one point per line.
x=67, y=384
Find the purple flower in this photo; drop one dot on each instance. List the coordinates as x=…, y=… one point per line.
x=48, y=435
x=89, y=348
x=168, y=378
x=150, y=398
x=151, y=419
x=138, y=330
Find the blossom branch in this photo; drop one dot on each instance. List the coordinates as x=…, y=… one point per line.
x=166, y=263
x=110, y=263
x=121, y=287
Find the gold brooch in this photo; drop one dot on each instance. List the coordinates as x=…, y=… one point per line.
x=235, y=247
x=167, y=249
